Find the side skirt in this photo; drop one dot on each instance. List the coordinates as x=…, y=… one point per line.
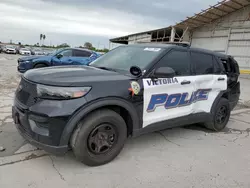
x=177, y=122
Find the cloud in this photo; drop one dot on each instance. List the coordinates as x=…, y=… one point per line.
x=89, y=19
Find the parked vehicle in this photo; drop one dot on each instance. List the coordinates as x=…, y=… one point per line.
x=24, y=51
x=129, y=91
x=37, y=51
x=48, y=51
x=1, y=48
x=9, y=49
x=67, y=56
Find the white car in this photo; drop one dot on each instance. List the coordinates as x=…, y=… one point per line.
x=10, y=49
x=24, y=51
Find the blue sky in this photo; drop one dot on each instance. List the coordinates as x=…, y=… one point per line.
x=96, y=21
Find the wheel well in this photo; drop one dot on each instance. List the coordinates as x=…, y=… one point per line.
x=123, y=113
x=225, y=95
x=40, y=64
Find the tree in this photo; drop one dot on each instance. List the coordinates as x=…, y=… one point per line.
x=41, y=37
x=105, y=50
x=64, y=45
x=88, y=45
x=44, y=37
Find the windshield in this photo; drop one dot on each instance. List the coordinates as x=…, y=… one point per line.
x=8, y=46
x=123, y=57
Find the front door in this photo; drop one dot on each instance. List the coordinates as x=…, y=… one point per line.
x=169, y=98
x=81, y=57
x=65, y=59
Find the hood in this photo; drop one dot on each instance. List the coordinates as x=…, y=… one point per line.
x=72, y=75
x=29, y=58
x=9, y=48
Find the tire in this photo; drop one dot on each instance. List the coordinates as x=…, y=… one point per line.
x=218, y=122
x=39, y=66
x=81, y=143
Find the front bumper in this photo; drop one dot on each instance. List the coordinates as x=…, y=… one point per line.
x=20, y=120
x=10, y=52
x=41, y=121
x=25, y=53
x=22, y=67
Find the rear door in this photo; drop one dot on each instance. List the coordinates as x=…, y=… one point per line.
x=81, y=57
x=169, y=98
x=208, y=78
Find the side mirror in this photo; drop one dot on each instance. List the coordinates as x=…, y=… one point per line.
x=164, y=72
x=59, y=56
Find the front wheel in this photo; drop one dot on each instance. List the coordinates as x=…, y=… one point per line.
x=99, y=137
x=39, y=66
x=220, y=116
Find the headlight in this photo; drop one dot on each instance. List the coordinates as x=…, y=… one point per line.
x=51, y=92
x=27, y=61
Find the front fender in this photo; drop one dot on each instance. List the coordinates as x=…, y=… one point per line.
x=94, y=105
x=42, y=61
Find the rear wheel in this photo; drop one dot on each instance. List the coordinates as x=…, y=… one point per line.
x=99, y=137
x=39, y=66
x=220, y=117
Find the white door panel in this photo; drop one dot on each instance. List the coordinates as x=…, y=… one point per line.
x=209, y=82
x=167, y=99
x=159, y=102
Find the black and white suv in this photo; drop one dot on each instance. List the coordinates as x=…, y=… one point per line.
x=131, y=90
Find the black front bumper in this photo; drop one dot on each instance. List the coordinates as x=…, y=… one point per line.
x=20, y=120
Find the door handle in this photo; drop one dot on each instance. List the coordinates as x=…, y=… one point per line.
x=185, y=82
x=221, y=79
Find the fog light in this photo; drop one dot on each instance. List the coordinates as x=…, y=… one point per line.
x=38, y=130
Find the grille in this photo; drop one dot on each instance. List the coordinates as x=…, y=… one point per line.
x=26, y=92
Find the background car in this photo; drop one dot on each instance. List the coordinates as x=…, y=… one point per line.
x=66, y=56
x=1, y=48
x=48, y=51
x=37, y=51
x=24, y=51
x=9, y=49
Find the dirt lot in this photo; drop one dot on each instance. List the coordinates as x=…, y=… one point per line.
x=180, y=157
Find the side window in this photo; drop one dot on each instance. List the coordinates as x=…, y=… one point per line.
x=177, y=60
x=203, y=63
x=66, y=53
x=82, y=53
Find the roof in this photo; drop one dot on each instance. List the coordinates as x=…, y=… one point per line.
x=202, y=18
x=153, y=45
x=218, y=54
x=177, y=45
x=83, y=49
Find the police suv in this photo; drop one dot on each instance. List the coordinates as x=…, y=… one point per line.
x=132, y=90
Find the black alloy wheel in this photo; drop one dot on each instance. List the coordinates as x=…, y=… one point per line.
x=99, y=137
x=102, y=139
x=221, y=115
